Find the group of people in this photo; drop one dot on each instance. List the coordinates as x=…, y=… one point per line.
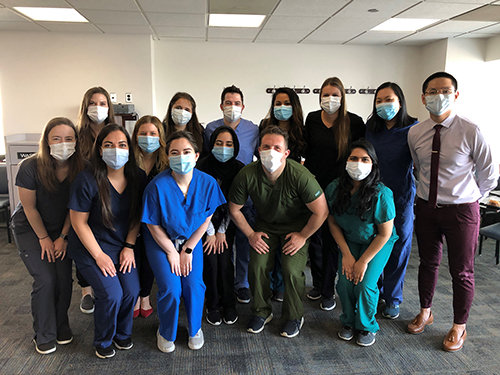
x=172, y=200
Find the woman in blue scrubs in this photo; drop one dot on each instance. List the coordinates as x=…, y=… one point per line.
x=387, y=131
x=361, y=222
x=105, y=214
x=177, y=207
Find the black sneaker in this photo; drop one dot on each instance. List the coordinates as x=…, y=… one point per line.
x=64, y=339
x=257, y=323
x=87, y=304
x=230, y=316
x=292, y=328
x=328, y=303
x=314, y=293
x=213, y=317
x=243, y=295
x=47, y=348
x=125, y=344
x=365, y=338
x=105, y=352
x=278, y=295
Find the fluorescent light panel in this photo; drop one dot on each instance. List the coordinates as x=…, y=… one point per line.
x=52, y=14
x=404, y=24
x=236, y=20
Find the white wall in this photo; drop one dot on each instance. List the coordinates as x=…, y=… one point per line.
x=45, y=75
x=493, y=49
x=204, y=69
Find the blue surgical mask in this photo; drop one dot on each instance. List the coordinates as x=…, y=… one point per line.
x=387, y=111
x=439, y=104
x=115, y=157
x=283, y=112
x=223, y=154
x=148, y=144
x=182, y=164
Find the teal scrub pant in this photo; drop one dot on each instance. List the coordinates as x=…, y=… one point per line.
x=359, y=302
x=293, y=277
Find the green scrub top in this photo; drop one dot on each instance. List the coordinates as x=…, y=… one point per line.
x=357, y=230
x=281, y=208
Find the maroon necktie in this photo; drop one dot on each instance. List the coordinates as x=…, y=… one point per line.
x=436, y=147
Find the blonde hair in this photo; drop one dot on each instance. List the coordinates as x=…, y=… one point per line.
x=161, y=154
x=85, y=131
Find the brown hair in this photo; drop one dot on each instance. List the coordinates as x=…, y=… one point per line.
x=341, y=125
x=85, y=131
x=161, y=154
x=47, y=165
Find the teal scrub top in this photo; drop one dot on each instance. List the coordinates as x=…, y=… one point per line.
x=359, y=231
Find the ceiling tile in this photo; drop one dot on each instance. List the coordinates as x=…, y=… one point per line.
x=176, y=19
x=378, y=38
x=386, y=8
x=109, y=17
x=493, y=29
x=241, y=6
x=125, y=29
x=182, y=39
x=282, y=35
x=117, y=5
x=458, y=26
x=8, y=15
x=329, y=37
x=479, y=2
x=174, y=6
x=293, y=23
x=232, y=32
x=21, y=26
x=70, y=27
x=441, y=11
x=356, y=24
x=485, y=13
x=474, y=36
x=189, y=32
x=310, y=8
x=35, y=3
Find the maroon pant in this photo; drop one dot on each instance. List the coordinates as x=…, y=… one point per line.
x=460, y=226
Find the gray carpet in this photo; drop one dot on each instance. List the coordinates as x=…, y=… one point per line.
x=230, y=350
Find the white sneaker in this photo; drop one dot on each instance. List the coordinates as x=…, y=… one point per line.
x=164, y=345
x=196, y=342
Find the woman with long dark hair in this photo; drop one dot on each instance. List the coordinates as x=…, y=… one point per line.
x=178, y=206
x=40, y=225
x=105, y=208
x=361, y=222
x=181, y=115
x=387, y=130
x=329, y=133
x=218, y=268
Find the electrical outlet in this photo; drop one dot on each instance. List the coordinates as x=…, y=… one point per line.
x=128, y=97
x=112, y=96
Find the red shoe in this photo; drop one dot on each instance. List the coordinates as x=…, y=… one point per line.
x=146, y=313
x=136, y=313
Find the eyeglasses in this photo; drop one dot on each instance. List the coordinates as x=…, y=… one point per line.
x=444, y=91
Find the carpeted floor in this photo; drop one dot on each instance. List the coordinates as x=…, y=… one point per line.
x=231, y=350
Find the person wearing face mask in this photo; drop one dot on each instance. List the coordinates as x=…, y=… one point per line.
x=96, y=112
x=285, y=112
x=181, y=115
x=177, y=207
x=218, y=268
x=361, y=219
x=290, y=207
x=148, y=142
x=455, y=169
x=387, y=131
x=232, y=106
x=40, y=224
x=329, y=133
x=105, y=207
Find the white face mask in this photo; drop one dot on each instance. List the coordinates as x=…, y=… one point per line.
x=271, y=159
x=232, y=113
x=439, y=104
x=357, y=170
x=331, y=104
x=97, y=113
x=180, y=117
x=62, y=151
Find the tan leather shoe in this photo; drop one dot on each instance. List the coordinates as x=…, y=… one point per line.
x=454, y=341
x=418, y=324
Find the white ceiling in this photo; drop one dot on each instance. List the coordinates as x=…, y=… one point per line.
x=287, y=21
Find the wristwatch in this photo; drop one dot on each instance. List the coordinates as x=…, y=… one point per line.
x=64, y=236
x=188, y=250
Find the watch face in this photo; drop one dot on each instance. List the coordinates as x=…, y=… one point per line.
x=188, y=250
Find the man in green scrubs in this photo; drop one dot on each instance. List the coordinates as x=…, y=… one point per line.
x=290, y=207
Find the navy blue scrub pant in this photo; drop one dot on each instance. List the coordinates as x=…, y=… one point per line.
x=115, y=298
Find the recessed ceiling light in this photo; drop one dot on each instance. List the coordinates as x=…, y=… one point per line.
x=52, y=14
x=236, y=20
x=373, y=10
x=404, y=24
